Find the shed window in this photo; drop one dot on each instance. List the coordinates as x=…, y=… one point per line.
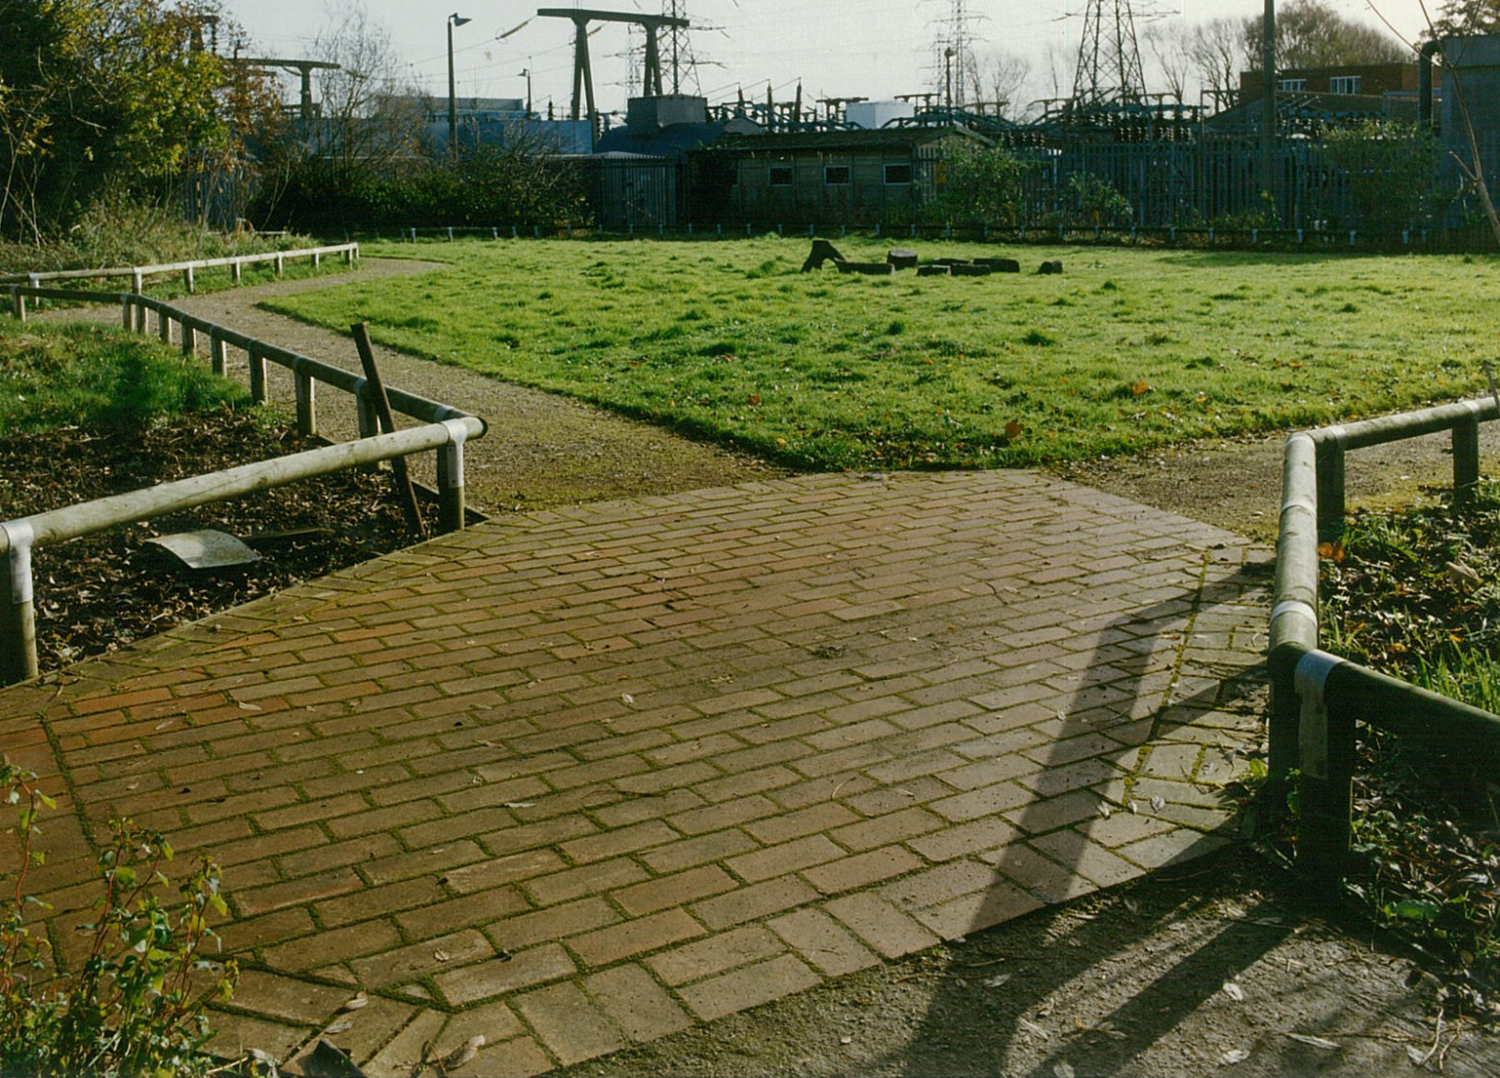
x=781, y=175
x=836, y=175
x=1290, y=86
x=898, y=173
x=1344, y=84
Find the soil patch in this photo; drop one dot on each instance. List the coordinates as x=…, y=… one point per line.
x=102, y=592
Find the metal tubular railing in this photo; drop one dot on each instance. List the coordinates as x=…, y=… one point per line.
x=236, y=263
x=19, y=537
x=445, y=429
x=1316, y=697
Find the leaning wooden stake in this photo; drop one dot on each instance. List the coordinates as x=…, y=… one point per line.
x=387, y=423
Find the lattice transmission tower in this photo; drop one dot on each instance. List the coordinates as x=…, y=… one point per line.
x=677, y=50
x=1109, y=59
x=954, y=64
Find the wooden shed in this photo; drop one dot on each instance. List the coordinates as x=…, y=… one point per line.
x=826, y=178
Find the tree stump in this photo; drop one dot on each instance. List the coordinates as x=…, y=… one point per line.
x=1000, y=265
x=1050, y=267
x=970, y=269
x=902, y=257
x=822, y=251
x=874, y=269
x=934, y=270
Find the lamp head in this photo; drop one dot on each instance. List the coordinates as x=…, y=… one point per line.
x=458, y=20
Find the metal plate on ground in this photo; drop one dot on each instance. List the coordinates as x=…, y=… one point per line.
x=206, y=549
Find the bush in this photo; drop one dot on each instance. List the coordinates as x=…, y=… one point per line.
x=122, y=231
x=984, y=185
x=132, y=1006
x=1390, y=168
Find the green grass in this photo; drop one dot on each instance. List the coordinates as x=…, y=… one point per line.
x=1126, y=351
x=91, y=376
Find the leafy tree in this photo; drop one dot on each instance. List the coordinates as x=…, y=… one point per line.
x=1458, y=18
x=101, y=94
x=1311, y=33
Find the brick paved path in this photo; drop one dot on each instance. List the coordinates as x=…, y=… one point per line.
x=587, y=777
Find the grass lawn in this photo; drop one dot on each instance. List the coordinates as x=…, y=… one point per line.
x=1129, y=349
x=92, y=376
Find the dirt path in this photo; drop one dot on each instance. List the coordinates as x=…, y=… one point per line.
x=541, y=449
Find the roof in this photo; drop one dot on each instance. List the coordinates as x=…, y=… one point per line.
x=884, y=138
x=1301, y=107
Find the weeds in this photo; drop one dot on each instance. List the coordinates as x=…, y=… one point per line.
x=1416, y=593
x=135, y=1003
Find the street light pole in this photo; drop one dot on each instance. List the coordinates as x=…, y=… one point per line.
x=526, y=73
x=948, y=78
x=453, y=20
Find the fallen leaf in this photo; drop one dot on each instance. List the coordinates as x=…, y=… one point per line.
x=1416, y=1055
x=1234, y=991
x=1233, y=1056
x=355, y=1004
x=997, y=980
x=625, y=696
x=1034, y=1029
x=248, y=707
x=1013, y=429
x=441, y=956
x=1316, y=1042
x=1140, y=388
x=846, y=1040
x=520, y=804
x=1158, y=803
x=464, y=1052
x=1063, y=1070
x=339, y=1027
x=1132, y=905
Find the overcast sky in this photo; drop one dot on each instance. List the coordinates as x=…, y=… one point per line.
x=870, y=48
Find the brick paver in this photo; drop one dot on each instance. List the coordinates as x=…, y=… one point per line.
x=580, y=778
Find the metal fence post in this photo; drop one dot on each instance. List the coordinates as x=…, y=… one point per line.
x=1331, y=483
x=1325, y=789
x=17, y=613
x=1466, y=456
x=450, y=477
x=257, y=375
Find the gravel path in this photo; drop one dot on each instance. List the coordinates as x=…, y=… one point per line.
x=541, y=450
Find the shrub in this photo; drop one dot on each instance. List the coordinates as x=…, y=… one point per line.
x=984, y=185
x=1390, y=168
x=133, y=1006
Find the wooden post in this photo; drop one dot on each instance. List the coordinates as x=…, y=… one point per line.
x=1465, y=460
x=236, y=271
x=18, y=302
x=187, y=279
x=257, y=375
x=189, y=340
x=1325, y=790
x=387, y=422
x=280, y=266
x=137, y=281
x=306, y=390
x=164, y=327
x=216, y=352
x=125, y=313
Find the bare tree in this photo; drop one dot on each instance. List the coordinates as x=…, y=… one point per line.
x=995, y=81
x=1168, y=47
x=1216, y=50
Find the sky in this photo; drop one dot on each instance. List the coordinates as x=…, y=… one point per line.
x=869, y=48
